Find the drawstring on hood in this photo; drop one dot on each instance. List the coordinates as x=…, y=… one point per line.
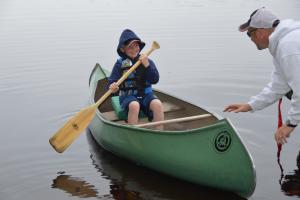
x=127, y=36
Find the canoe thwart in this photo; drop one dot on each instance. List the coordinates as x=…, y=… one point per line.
x=167, y=106
x=183, y=119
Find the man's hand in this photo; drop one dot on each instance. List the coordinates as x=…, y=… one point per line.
x=282, y=134
x=236, y=108
x=144, y=59
x=114, y=87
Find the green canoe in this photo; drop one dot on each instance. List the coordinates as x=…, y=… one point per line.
x=206, y=151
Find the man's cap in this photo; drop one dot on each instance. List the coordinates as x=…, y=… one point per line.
x=260, y=18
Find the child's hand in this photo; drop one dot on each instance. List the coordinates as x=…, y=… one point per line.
x=114, y=87
x=144, y=59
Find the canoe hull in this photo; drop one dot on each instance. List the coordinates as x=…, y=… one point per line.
x=213, y=155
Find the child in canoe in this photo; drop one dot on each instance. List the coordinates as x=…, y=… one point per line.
x=135, y=93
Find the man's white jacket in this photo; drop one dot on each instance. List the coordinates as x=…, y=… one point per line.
x=284, y=46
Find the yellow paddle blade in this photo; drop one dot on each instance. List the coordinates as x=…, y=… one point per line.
x=71, y=130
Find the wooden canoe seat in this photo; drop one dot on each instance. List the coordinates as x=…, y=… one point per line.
x=168, y=107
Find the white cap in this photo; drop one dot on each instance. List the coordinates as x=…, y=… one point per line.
x=260, y=18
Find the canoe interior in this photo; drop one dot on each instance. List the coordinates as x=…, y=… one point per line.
x=173, y=108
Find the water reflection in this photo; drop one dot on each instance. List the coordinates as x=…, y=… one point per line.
x=129, y=181
x=74, y=186
x=291, y=183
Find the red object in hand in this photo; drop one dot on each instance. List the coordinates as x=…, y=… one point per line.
x=279, y=146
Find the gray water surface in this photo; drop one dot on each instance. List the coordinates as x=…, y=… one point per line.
x=47, y=51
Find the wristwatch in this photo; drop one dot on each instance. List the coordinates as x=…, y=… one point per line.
x=289, y=124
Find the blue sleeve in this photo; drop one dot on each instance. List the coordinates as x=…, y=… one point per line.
x=115, y=74
x=152, y=75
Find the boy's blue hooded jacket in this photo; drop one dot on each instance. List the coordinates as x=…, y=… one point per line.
x=151, y=73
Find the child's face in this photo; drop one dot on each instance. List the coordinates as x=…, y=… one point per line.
x=132, y=50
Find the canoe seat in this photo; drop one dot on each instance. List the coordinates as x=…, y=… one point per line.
x=118, y=109
x=167, y=106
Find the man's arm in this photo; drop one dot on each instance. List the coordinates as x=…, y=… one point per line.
x=271, y=93
x=290, y=66
x=277, y=88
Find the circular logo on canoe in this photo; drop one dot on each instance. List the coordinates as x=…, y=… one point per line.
x=222, y=141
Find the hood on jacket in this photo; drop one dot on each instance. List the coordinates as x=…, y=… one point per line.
x=284, y=27
x=127, y=36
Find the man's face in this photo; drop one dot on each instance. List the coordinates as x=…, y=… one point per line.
x=260, y=37
x=132, y=50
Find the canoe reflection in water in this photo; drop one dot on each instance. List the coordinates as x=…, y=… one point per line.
x=291, y=183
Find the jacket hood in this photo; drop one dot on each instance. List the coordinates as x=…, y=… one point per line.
x=127, y=36
x=284, y=28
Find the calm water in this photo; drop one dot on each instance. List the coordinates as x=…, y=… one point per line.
x=48, y=49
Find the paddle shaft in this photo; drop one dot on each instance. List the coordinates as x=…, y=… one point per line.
x=183, y=119
x=109, y=92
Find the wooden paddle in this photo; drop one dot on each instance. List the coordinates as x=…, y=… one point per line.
x=74, y=126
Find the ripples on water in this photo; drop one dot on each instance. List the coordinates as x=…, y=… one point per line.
x=48, y=49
